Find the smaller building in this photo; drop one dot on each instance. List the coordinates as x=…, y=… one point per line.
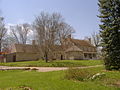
x=24, y=52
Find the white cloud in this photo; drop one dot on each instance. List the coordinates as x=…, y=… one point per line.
x=20, y=21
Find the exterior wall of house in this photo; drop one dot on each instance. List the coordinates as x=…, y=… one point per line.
x=10, y=57
x=88, y=49
x=13, y=57
x=27, y=56
x=74, y=55
x=2, y=59
x=59, y=55
x=90, y=56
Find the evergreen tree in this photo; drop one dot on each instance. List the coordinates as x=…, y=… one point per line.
x=110, y=32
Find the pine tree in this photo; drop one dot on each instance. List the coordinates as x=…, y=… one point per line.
x=110, y=32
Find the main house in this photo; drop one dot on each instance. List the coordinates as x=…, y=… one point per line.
x=71, y=49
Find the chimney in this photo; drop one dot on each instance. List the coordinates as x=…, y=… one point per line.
x=69, y=36
x=89, y=39
x=33, y=42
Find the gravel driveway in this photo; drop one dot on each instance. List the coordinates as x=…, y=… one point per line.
x=42, y=69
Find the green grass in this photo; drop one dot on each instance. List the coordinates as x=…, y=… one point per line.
x=55, y=80
x=58, y=63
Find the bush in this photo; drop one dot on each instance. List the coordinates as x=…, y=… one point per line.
x=77, y=74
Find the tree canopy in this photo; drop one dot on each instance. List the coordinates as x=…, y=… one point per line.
x=110, y=32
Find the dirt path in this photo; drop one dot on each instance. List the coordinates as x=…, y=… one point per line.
x=42, y=69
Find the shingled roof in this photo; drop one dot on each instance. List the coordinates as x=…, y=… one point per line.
x=81, y=43
x=74, y=48
x=37, y=49
x=27, y=48
x=57, y=48
x=33, y=48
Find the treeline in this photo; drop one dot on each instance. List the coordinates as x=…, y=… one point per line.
x=47, y=29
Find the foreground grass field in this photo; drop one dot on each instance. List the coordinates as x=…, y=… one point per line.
x=59, y=63
x=17, y=80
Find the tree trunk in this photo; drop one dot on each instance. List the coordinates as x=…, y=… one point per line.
x=46, y=57
x=0, y=47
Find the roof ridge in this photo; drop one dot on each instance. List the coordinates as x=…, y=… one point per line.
x=74, y=48
x=81, y=42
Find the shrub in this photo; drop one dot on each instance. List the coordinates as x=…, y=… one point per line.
x=77, y=74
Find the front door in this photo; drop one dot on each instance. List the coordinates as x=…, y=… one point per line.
x=61, y=57
x=14, y=58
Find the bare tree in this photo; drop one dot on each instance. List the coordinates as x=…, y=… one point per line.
x=50, y=29
x=96, y=39
x=20, y=33
x=7, y=43
x=3, y=32
x=64, y=31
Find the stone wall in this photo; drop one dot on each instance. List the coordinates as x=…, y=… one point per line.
x=9, y=57
x=74, y=55
x=27, y=56
x=1, y=59
x=59, y=55
x=13, y=57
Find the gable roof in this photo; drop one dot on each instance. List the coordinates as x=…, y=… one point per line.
x=37, y=49
x=74, y=48
x=57, y=48
x=81, y=43
x=33, y=48
x=26, y=48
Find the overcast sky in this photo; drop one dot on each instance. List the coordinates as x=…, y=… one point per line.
x=80, y=14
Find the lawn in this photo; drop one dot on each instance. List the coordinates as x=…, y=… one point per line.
x=16, y=80
x=58, y=63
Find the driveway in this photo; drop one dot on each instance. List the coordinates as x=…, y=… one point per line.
x=42, y=69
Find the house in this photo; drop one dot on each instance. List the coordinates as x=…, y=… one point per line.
x=71, y=49
x=79, y=49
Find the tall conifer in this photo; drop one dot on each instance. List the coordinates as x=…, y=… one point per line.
x=110, y=32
